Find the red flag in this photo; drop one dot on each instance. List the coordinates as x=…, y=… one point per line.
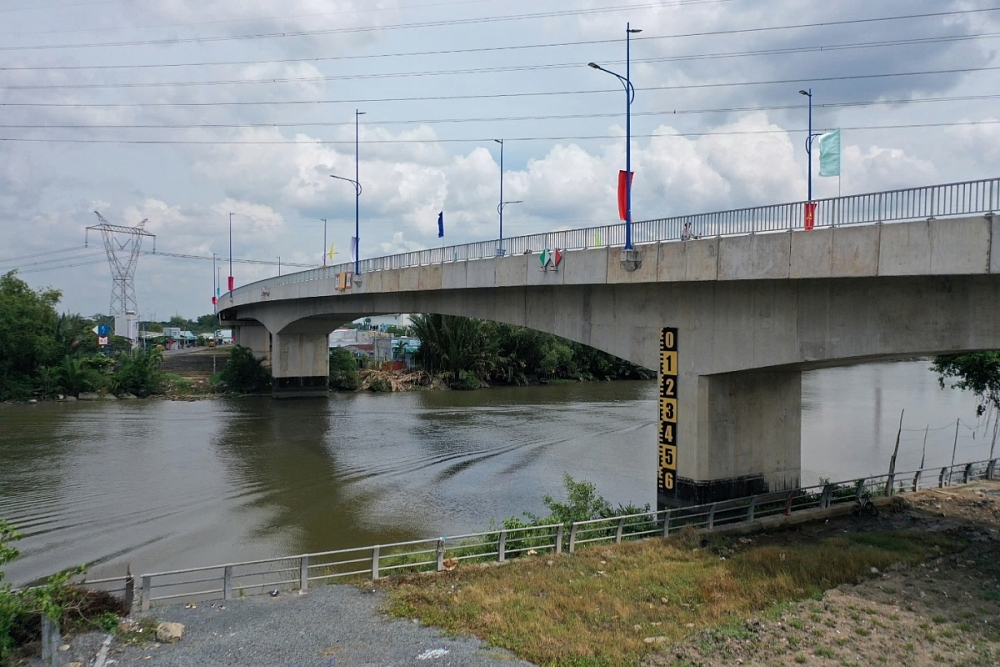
x=810, y=215
x=623, y=193
x=215, y=300
x=231, y=283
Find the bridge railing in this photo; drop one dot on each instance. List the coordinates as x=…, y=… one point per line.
x=933, y=201
x=445, y=553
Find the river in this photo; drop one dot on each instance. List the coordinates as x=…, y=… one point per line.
x=169, y=484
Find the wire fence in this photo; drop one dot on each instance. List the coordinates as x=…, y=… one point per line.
x=934, y=201
x=234, y=580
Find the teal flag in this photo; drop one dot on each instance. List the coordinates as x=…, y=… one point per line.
x=829, y=154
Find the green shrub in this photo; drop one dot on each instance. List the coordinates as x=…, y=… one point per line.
x=244, y=373
x=343, y=370
x=380, y=384
x=467, y=380
x=76, y=374
x=137, y=373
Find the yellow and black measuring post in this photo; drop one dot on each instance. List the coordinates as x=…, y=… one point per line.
x=667, y=440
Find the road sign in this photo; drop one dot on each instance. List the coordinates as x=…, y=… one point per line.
x=102, y=330
x=102, y=340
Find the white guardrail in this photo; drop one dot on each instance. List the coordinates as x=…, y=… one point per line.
x=441, y=553
x=933, y=201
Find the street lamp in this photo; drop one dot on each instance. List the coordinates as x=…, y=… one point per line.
x=500, y=208
x=324, y=241
x=809, y=140
x=500, y=205
x=357, y=195
x=231, y=282
x=629, y=98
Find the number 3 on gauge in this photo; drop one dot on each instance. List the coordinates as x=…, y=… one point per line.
x=668, y=409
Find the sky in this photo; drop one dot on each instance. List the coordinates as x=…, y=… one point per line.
x=181, y=112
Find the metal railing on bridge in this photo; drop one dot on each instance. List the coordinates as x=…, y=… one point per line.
x=933, y=201
x=444, y=553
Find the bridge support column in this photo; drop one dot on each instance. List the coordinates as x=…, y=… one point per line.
x=749, y=433
x=301, y=364
x=256, y=338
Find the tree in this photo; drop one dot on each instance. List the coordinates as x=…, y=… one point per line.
x=244, y=373
x=343, y=370
x=137, y=373
x=27, y=334
x=978, y=372
x=455, y=345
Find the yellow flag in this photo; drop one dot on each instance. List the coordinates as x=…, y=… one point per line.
x=331, y=251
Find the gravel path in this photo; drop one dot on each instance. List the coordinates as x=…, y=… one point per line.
x=328, y=627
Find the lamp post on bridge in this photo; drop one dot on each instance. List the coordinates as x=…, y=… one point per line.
x=500, y=208
x=629, y=259
x=809, y=140
x=324, y=242
x=357, y=193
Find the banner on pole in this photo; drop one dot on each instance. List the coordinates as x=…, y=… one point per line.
x=623, y=187
x=829, y=153
x=810, y=217
x=441, y=224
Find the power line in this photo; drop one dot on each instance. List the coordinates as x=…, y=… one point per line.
x=86, y=253
x=373, y=28
x=675, y=58
x=40, y=254
x=73, y=260
x=547, y=93
x=492, y=19
x=484, y=139
x=488, y=70
x=504, y=119
x=235, y=259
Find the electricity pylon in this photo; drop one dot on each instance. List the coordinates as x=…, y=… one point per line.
x=123, y=258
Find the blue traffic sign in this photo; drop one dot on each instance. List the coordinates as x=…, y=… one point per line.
x=103, y=329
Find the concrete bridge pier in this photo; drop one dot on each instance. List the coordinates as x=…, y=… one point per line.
x=748, y=433
x=301, y=364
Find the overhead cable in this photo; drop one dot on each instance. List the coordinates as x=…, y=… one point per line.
x=655, y=135
x=504, y=119
x=489, y=19
x=547, y=93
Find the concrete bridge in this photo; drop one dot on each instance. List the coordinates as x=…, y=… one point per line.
x=755, y=301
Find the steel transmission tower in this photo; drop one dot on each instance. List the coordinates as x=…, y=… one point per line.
x=123, y=257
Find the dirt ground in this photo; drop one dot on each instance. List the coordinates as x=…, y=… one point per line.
x=195, y=365
x=945, y=611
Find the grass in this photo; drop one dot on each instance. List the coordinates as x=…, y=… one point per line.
x=597, y=606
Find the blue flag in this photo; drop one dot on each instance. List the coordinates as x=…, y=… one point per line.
x=440, y=224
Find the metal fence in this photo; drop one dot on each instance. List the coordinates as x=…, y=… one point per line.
x=444, y=553
x=934, y=201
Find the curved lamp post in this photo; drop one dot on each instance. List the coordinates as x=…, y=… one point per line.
x=357, y=196
x=629, y=98
x=500, y=208
x=357, y=241
x=809, y=140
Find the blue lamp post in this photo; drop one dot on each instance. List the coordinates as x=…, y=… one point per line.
x=357, y=195
x=629, y=98
x=809, y=140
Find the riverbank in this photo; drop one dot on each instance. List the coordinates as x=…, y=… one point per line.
x=920, y=585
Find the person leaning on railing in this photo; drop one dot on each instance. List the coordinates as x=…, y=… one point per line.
x=686, y=233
